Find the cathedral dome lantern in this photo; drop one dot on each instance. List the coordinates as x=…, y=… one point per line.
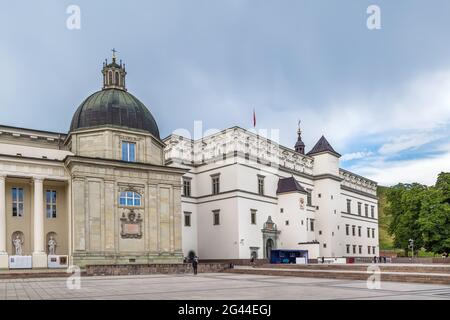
x=114, y=74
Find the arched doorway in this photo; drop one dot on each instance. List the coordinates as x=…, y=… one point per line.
x=269, y=247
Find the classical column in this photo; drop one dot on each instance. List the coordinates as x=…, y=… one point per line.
x=3, y=253
x=39, y=255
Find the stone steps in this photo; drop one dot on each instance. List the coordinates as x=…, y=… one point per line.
x=415, y=277
x=444, y=269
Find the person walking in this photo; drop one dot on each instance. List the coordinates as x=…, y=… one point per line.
x=195, y=264
x=252, y=261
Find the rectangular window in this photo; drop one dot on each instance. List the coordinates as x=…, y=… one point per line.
x=354, y=249
x=366, y=210
x=373, y=250
x=359, y=231
x=372, y=211
x=50, y=197
x=359, y=208
x=260, y=185
x=253, y=216
x=311, y=226
x=187, y=219
x=215, y=180
x=308, y=197
x=128, y=151
x=187, y=187
x=17, y=202
x=360, y=249
x=348, y=248
x=286, y=222
x=347, y=229
x=353, y=230
x=368, y=232
x=349, y=206
x=216, y=217
x=373, y=233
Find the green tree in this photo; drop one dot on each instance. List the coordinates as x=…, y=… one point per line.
x=443, y=184
x=434, y=217
x=404, y=207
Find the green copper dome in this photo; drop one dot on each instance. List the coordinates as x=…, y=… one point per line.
x=114, y=107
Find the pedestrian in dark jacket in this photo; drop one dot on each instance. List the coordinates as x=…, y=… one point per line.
x=195, y=264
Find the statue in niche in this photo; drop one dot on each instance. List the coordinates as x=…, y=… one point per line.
x=17, y=242
x=51, y=246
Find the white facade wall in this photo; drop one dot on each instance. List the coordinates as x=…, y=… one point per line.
x=246, y=158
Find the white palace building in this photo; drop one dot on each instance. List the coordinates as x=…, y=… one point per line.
x=111, y=191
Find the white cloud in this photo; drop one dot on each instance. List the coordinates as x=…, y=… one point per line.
x=407, y=141
x=422, y=104
x=356, y=155
x=389, y=173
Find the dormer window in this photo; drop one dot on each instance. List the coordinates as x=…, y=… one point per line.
x=130, y=199
x=128, y=151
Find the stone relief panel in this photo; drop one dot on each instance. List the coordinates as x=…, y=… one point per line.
x=131, y=225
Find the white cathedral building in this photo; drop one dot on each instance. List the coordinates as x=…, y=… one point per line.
x=111, y=191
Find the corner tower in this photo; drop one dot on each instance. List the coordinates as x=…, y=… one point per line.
x=328, y=182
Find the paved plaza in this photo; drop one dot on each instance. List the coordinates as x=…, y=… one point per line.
x=214, y=286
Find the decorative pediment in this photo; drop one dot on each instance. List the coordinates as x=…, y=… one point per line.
x=132, y=188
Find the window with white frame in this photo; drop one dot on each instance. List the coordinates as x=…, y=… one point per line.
x=187, y=219
x=187, y=187
x=50, y=198
x=17, y=202
x=216, y=217
x=261, y=185
x=215, y=182
x=130, y=199
x=253, y=216
x=128, y=151
x=308, y=197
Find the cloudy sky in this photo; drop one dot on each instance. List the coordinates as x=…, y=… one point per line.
x=381, y=97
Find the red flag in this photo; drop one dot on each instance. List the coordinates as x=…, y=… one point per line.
x=254, y=118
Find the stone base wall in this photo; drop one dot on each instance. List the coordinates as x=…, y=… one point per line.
x=421, y=260
x=142, y=269
x=237, y=262
x=83, y=260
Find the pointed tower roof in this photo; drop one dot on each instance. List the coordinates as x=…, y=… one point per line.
x=289, y=185
x=323, y=146
x=299, y=145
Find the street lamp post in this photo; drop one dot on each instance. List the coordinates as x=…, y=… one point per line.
x=411, y=246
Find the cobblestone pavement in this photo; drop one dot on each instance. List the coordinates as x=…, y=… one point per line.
x=214, y=286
